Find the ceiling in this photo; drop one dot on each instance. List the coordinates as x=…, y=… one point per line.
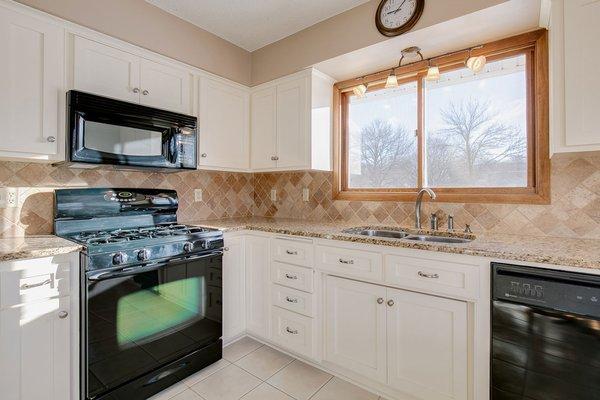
x=503, y=20
x=252, y=24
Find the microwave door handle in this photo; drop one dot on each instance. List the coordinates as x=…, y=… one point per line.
x=130, y=271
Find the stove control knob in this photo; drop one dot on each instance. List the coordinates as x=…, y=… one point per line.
x=143, y=254
x=206, y=245
x=119, y=258
x=187, y=247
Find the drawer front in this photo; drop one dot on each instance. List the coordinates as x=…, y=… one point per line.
x=34, y=280
x=292, y=251
x=352, y=263
x=436, y=276
x=292, y=331
x=293, y=300
x=292, y=276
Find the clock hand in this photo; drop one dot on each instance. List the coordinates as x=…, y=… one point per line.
x=397, y=9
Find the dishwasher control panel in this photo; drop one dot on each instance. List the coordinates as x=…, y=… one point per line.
x=558, y=290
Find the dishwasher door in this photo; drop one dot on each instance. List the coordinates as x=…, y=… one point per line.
x=545, y=342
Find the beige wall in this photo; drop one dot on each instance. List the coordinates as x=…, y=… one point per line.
x=142, y=24
x=343, y=33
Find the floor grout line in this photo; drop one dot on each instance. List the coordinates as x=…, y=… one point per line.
x=319, y=389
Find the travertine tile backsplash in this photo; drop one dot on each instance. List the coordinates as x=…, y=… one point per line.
x=574, y=212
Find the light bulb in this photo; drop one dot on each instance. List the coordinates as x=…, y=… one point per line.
x=476, y=64
x=391, y=81
x=433, y=74
x=360, y=90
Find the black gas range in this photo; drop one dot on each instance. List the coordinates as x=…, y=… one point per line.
x=150, y=291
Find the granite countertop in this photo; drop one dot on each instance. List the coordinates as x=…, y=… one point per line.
x=16, y=248
x=583, y=253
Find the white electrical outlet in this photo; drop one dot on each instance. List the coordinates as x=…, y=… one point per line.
x=305, y=194
x=197, y=194
x=273, y=194
x=9, y=197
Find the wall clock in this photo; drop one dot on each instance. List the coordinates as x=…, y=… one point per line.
x=395, y=17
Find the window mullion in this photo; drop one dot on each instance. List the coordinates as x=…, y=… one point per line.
x=420, y=132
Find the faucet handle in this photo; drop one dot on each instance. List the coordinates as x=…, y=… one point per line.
x=434, y=222
x=450, y=223
x=468, y=228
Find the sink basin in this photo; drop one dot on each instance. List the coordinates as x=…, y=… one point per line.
x=377, y=233
x=437, y=239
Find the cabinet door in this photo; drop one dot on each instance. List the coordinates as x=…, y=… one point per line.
x=427, y=345
x=355, y=328
x=257, y=285
x=263, y=131
x=234, y=288
x=35, y=348
x=164, y=86
x=224, y=125
x=31, y=83
x=293, y=144
x=105, y=71
x=582, y=83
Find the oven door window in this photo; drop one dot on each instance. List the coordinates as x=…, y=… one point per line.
x=138, y=323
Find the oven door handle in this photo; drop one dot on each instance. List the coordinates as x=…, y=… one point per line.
x=129, y=271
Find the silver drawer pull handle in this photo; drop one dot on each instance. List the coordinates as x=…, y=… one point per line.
x=26, y=286
x=291, y=276
x=292, y=331
x=63, y=314
x=426, y=275
x=290, y=300
x=346, y=261
x=291, y=253
x=145, y=93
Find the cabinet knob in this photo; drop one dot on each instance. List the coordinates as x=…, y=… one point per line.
x=380, y=300
x=225, y=248
x=51, y=139
x=136, y=90
x=390, y=303
x=203, y=155
x=145, y=93
x=63, y=314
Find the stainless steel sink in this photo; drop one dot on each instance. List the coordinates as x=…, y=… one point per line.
x=437, y=239
x=377, y=233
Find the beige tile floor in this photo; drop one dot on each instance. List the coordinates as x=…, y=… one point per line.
x=252, y=371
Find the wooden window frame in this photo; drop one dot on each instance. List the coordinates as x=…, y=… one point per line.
x=535, y=46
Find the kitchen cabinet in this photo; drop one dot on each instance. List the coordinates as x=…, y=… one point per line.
x=224, y=125
x=32, y=91
x=355, y=319
x=291, y=123
x=415, y=343
x=257, y=285
x=234, y=288
x=108, y=71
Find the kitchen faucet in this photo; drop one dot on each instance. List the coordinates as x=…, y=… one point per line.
x=418, y=205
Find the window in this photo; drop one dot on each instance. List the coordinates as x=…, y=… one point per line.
x=472, y=137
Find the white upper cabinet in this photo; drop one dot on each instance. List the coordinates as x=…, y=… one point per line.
x=107, y=71
x=291, y=123
x=31, y=84
x=224, y=125
x=264, y=129
x=293, y=118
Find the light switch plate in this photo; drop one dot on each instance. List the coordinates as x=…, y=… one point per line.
x=9, y=197
x=197, y=195
x=273, y=194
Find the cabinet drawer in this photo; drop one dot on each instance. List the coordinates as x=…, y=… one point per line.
x=292, y=300
x=292, y=276
x=292, y=251
x=292, y=331
x=352, y=263
x=437, y=276
x=33, y=280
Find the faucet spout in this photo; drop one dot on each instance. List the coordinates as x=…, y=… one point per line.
x=431, y=194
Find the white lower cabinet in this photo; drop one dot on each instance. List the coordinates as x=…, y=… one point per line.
x=257, y=285
x=412, y=342
x=234, y=288
x=292, y=331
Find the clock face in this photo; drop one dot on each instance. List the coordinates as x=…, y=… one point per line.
x=397, y=16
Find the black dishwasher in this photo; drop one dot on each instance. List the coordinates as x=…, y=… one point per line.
x=545, y=334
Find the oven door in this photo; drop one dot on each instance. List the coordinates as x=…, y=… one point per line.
x=141, y=319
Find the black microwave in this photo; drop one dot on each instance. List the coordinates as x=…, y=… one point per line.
x=103, y=131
